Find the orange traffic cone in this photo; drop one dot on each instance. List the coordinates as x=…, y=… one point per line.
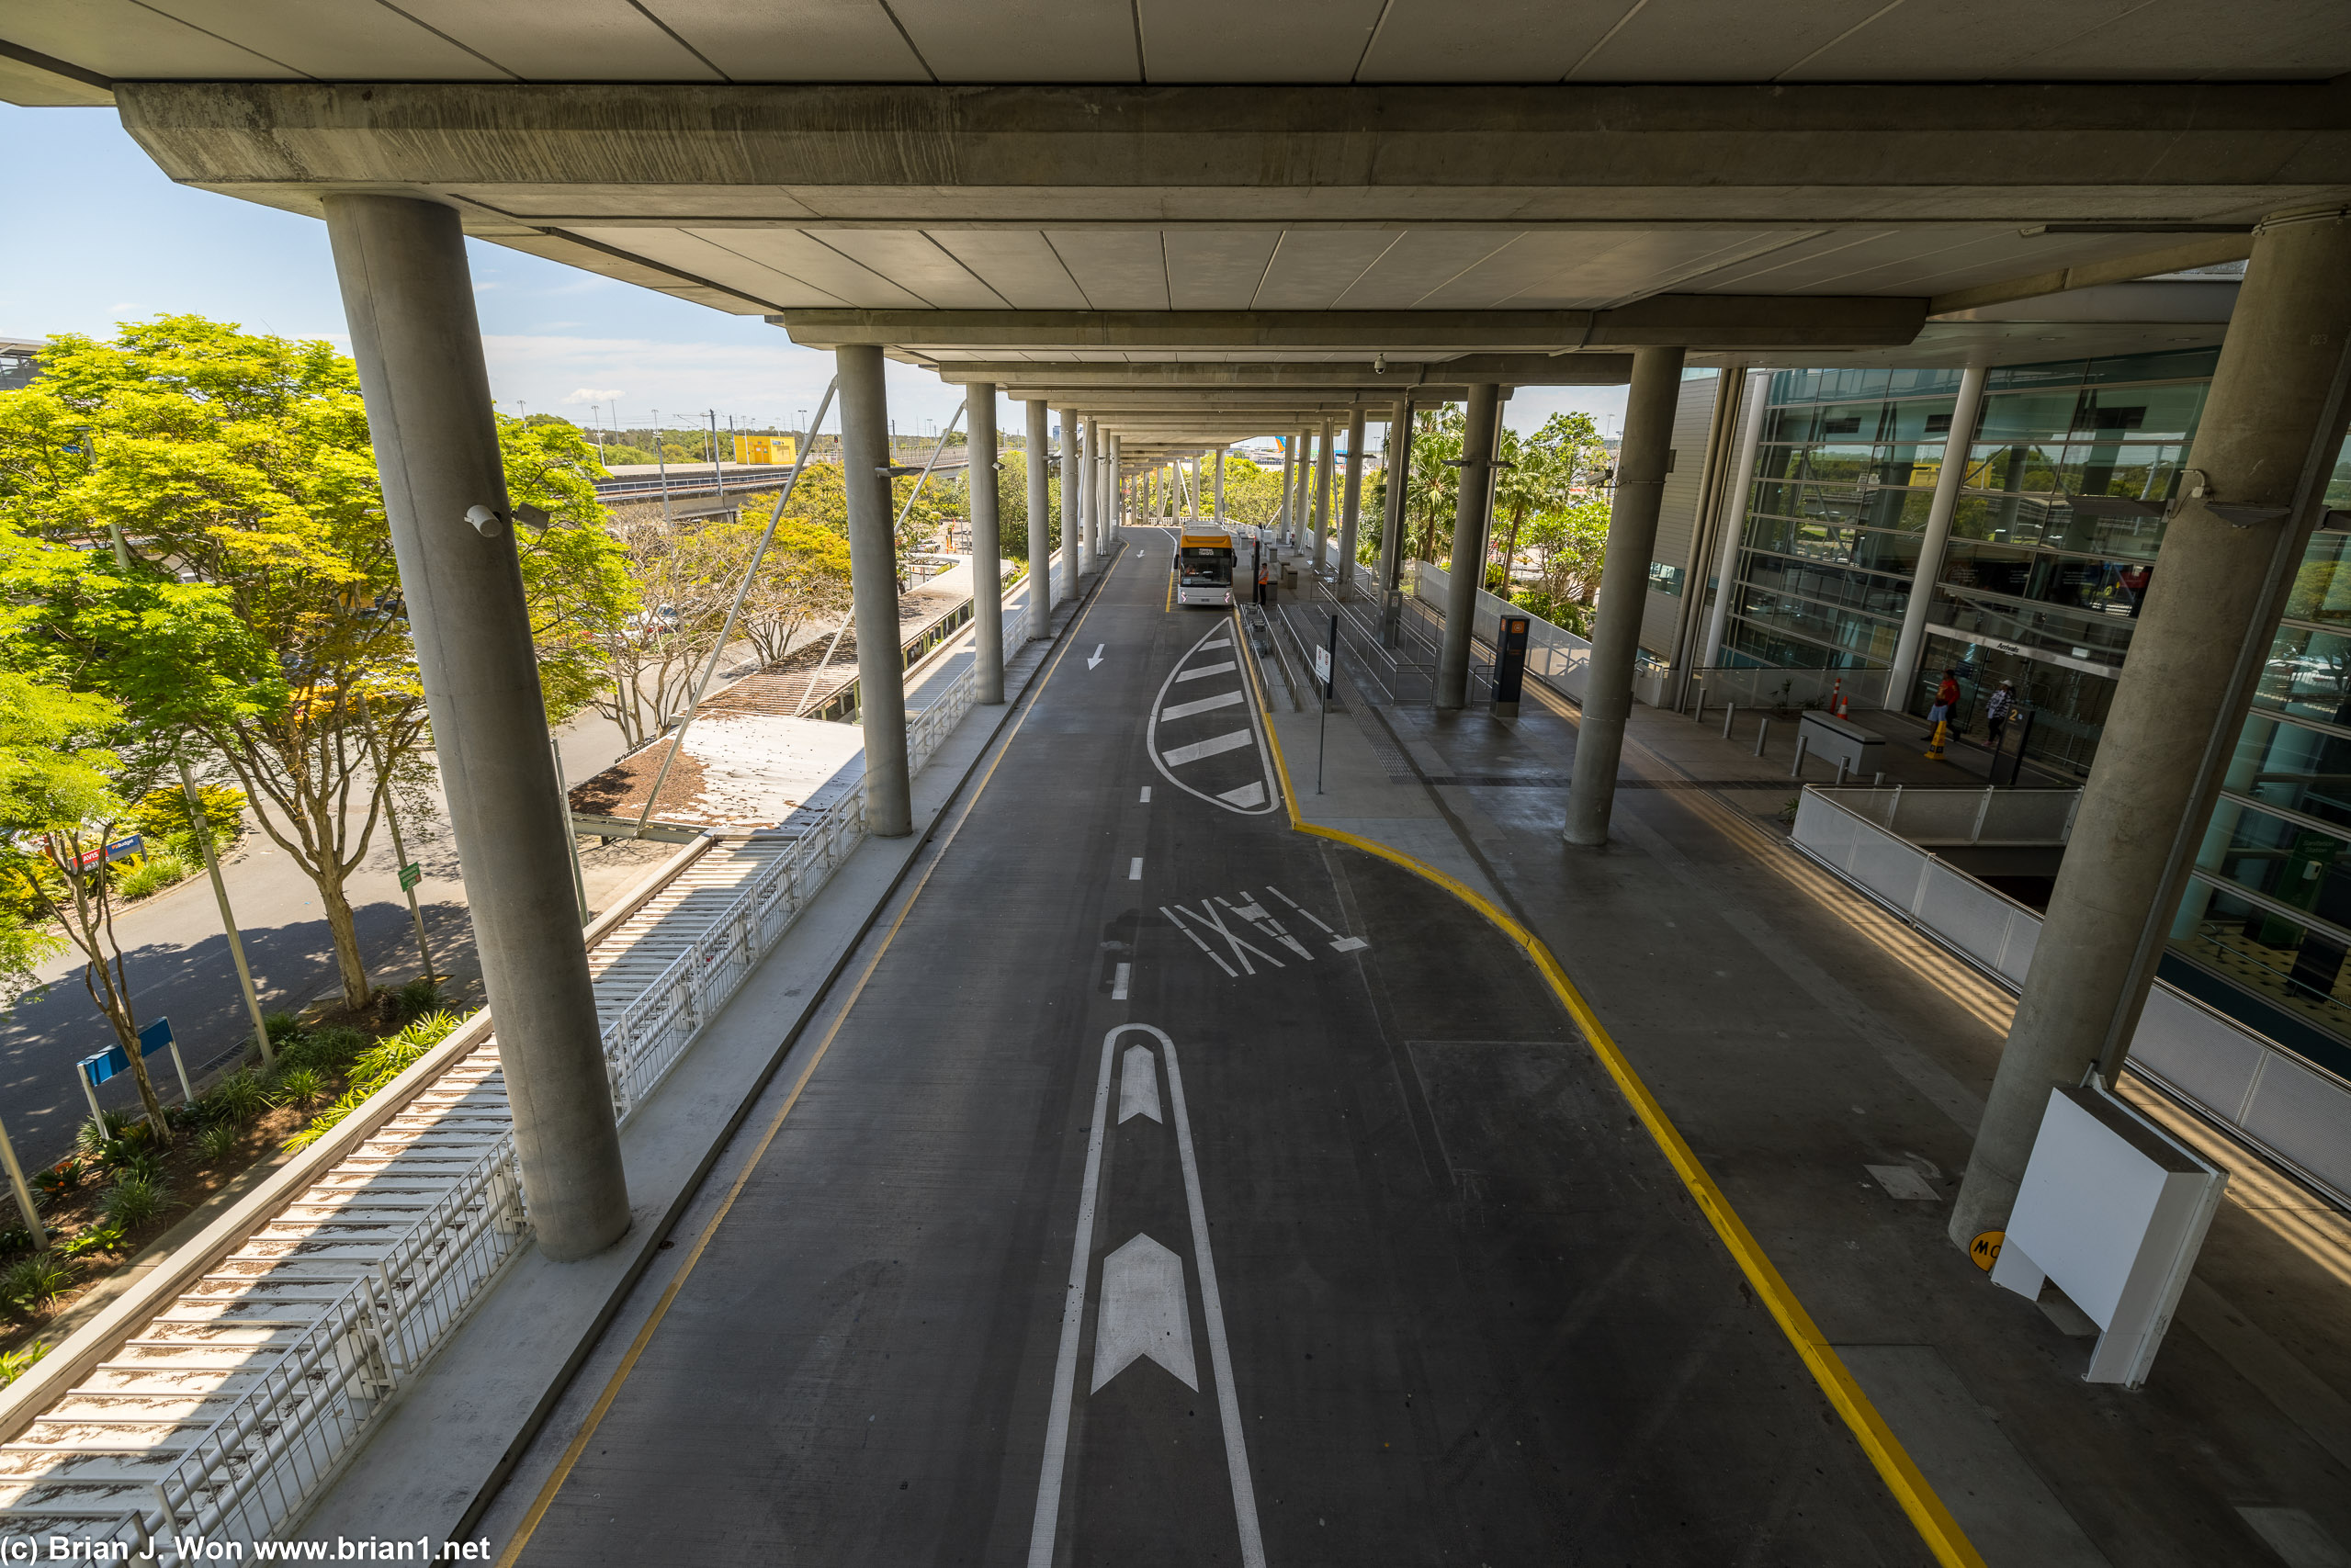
x=1837, y=699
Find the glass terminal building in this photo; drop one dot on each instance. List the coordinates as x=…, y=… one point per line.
x=2057, y=534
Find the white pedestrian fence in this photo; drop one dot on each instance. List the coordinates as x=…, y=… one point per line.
x=223, y=1406
x=2293, y=1110
x=1555, y=656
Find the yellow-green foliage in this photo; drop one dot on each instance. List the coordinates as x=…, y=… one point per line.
x=377, y=1067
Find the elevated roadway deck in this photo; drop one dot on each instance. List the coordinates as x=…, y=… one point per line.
x=1174, y=1187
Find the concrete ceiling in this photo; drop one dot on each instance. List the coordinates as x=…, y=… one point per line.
x=1327, y=41
x=1361, y=198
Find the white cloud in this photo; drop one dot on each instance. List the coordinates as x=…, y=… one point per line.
x=589, y=395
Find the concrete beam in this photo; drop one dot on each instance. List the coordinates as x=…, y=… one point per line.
x=897, y=155
x=1663, y=321
x=2206, y=250
x=1076, y=378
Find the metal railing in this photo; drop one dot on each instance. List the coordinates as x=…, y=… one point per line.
x=1938, y=815
x=1555, y=656
x=310, y=1391
x=2297, y=1113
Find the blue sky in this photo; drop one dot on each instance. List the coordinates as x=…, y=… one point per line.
x=101, y=236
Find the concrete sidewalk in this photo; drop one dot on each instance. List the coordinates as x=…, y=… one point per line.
x=1828, y=1066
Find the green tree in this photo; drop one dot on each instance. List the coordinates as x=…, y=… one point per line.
x=616, y=454
x=1012, y=502
x=260, y=621
x=1433, y=487
x=1544, y=470
x=61, y=797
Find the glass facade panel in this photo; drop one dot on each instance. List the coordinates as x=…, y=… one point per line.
x=2322, y=590
x=2308, y=676
x=2067, y=707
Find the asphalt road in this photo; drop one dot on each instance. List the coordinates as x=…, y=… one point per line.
x=1184, y=1189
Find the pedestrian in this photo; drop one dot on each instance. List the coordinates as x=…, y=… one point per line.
x=2000, y=710
x=1946, y=696
x=1264, y=576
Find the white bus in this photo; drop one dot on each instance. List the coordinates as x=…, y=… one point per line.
x=1203, y=565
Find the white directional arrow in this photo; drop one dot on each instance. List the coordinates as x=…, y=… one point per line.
x=1138, y=1084
x=1144, y=1314
x=1097, y=658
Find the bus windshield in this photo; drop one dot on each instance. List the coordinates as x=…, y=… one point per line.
x=1207, y=568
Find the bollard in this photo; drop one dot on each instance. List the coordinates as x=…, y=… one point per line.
x=1700, y=716
x=1840, y=772
x=1762, y=734
x=1878, y=779
x=1796, y=768
x=1730, y=715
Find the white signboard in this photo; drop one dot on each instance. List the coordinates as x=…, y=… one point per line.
x=1322, y=665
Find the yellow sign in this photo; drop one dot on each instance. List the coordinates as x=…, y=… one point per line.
x=776, y=450
x=1985, y=1249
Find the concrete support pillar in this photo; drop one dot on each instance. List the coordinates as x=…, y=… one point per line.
x=409, y=299
x=1105, y=510
x=1040, y=434
x=1073, y=498
x=1322, y=495
x=873, y=586
x=1351, y=500
x=1398, y=460
x=1220, y=485
x=1473, y=513
x=1735, y=509
x=986, y=544
x=1641, y=463
x=2251, y=492
x=1913, y=641
x=1289, y=474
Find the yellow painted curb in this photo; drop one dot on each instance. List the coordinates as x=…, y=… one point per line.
x=1933, y=1520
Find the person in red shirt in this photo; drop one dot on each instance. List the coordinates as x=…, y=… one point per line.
x=1946, y=696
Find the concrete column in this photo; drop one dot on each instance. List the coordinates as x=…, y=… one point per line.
x=1040, y=522
x=1322, y=495
x=873, y=586
x=1105, y=510
x=1473, y=513
x=987, y=543
x=1735, y=509
x=1073, y=499
x=1398, y=461
x=409, y=299
x=1351, y=500
x=1289, y=470
x=1220, y=485
x=1912, y=639
x=1640, y=464
x=2268, y=436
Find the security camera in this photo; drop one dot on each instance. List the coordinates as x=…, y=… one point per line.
x=1379, y=365
x=486, y=522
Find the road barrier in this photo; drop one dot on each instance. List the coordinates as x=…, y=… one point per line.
x=2297, y=1113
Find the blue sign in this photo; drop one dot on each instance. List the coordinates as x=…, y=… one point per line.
x=155, y=1037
